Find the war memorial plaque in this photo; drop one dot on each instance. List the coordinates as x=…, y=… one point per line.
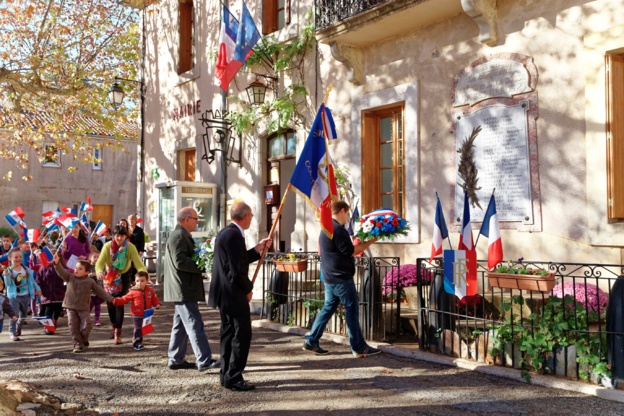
x=502, y=158
x=498, y=94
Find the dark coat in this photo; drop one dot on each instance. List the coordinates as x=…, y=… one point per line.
x=230, y=268
x=138, y=238
x=183, y=280
x=52, y=286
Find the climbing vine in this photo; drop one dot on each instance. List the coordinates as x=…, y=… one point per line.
x=289, y=57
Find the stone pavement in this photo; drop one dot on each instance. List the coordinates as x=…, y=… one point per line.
x=114, y=379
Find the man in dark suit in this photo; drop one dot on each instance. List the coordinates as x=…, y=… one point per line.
x=231, y=291
x=183, y=285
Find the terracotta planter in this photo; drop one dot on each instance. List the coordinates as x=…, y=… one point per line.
x=523, y=281
x=292, y=266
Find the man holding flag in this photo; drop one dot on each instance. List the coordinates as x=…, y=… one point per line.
x=338, y=268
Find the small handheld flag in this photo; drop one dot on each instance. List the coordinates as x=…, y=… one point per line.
x=100, y=228
x=148, y=328
x=32, y=235
x=15, y=217
x=45, y=257
x=47, y=322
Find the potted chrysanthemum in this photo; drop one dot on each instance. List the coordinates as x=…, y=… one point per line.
x=400, y=282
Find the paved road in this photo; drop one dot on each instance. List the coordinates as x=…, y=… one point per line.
x=116, y=379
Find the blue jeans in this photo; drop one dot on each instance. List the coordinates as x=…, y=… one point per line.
x=335, y=294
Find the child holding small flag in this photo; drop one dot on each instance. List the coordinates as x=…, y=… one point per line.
x=143, y=298
x=21, y=288
x=52, y=294
x=5, y=307
x=77, y=300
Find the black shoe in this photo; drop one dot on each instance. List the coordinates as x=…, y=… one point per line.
x=212, y=364
x=316, y=349
x=368, y=350
x=241, y=386
x=86, y=344
x=182, y=366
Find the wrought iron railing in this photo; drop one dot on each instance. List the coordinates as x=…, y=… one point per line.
x=329, y=12
x=295, y=298
x=471, y=328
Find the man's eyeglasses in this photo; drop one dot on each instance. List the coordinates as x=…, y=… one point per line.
x=194, y=218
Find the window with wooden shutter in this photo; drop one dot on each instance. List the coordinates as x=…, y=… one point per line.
x=185, y=27
x=275, y=15
x=615, y=136
x=383, y=180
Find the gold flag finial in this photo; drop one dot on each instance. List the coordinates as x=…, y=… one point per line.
x=327, y=91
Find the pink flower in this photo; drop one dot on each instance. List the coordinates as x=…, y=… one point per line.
x=590, y=296
x=405, y=275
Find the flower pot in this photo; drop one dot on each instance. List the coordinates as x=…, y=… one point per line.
x=522, y=281
x=292, y=266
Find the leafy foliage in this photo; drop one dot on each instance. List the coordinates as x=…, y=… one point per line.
x=58, y=60
x=285, y=56
x=519, y=268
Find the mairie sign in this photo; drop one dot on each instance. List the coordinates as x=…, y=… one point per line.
x=460, y=272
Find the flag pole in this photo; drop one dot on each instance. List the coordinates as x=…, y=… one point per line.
x=327, y=91
x=277, y=218
x=487, y=209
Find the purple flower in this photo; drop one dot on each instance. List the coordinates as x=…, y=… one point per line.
x=590, y=296
x=405, y=275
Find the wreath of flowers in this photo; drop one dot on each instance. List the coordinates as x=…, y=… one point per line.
x=384, y=224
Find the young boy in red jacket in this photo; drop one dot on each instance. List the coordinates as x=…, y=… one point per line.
x=142, y=297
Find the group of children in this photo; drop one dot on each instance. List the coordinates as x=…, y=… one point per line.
x=78, y=293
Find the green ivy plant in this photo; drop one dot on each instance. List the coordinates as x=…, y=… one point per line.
x=286, y=57
x=538, y=336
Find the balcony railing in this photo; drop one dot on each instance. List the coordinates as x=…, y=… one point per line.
x=329, y=12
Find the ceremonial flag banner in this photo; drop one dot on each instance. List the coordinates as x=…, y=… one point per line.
x=46, y=256
x=227, y=67
x=465, y=237
x=15, y=217
x=148, y=328
x=440, y=232
x=460, y=272
x=355, y=215
x=246, y=37
x=47, y=322
x=313, y=176
x=491, y=230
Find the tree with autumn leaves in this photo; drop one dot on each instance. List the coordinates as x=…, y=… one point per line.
x=58, y=60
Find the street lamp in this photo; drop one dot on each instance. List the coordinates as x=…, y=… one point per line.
x=116, y=94
x=256, y=91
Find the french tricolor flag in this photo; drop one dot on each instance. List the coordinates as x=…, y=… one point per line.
x=45, y=257
x=85, y=206
x=100, y=228
x=227, y=67
x=68, y=221
x=440, y=231
x=32, y=235
x=47, y=322
x=465, y=237
x=15, y=217
x=148, y=328
x=491, y=230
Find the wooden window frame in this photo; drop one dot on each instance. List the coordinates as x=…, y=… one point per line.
x=371, y=165
x=185, y=36
x=270, y=12
x=614, y=65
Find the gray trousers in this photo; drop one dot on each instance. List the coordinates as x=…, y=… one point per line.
x=20, y=306
x=188, y=326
